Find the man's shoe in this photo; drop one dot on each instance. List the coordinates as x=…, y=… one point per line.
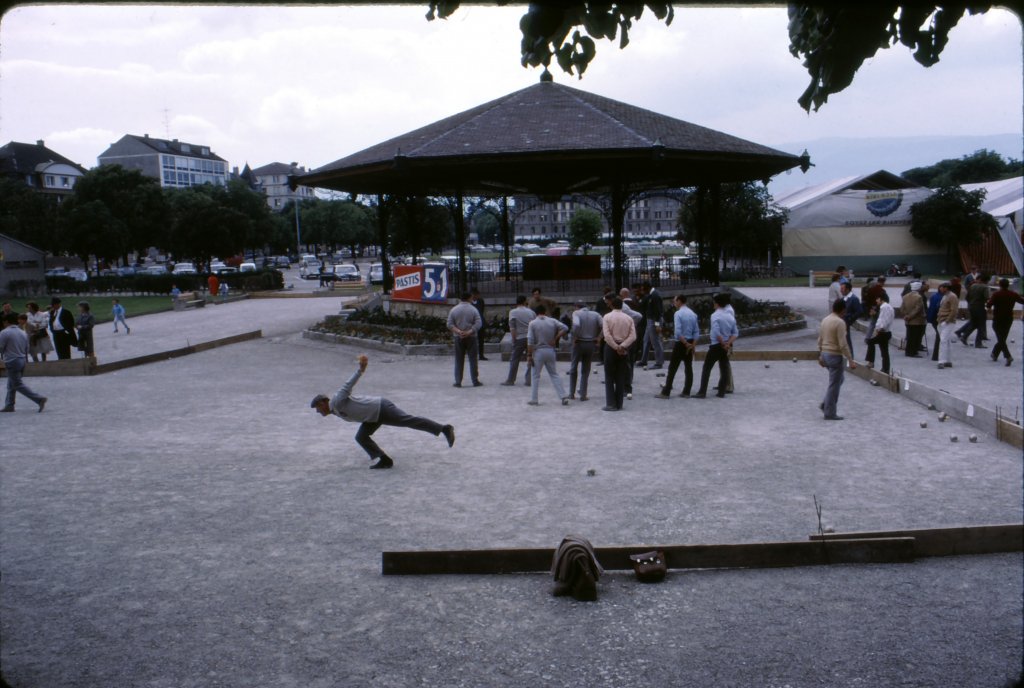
x=609, y=408
x=457, y=384
x=565, y=401
x=1008, y=362
x=833, y=417
x=7, y=409
x=962, y=338
x=584, y=397
x=941, y=366
x=700, y=395
x=684, y=395
x=656, y=366
x=821, y=406
x=662, y=395
x=42, y=404
x=533, y=403
x=980, y=346
x=478, y=384
x=720, y=395
x=483, y=358
x=948, y=365
x=383, y=462
x=630, y=396
x=506, y=383
x=449, y=434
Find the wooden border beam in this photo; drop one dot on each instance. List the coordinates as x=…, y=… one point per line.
x=943, y=542
x=755, y=555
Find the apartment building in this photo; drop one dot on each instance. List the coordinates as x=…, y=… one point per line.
x=651, y=216
x=174, y=163
x=272, y=181
x=46, y=171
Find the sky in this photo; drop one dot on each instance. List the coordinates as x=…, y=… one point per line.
x=313, y=84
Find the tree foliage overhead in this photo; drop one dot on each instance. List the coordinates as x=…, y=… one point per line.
x=980, y=166
x=833, y=39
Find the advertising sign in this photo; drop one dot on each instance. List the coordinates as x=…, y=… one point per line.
x=421, y=283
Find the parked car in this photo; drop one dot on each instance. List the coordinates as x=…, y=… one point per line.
x=184, y=269
x=376, y=273
x=77, y=275
x=282, y=262
x=227, y=270
x=247, y=267
x=217, y=265
x=346, y=272
x=310, y=269
x=158, y=269
x=126, y=271
x=56, y=272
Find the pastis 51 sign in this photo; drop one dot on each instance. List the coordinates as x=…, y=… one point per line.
x=421, y=283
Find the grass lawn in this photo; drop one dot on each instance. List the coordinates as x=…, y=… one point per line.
x=102, y=306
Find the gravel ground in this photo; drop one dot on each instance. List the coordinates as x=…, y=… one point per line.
x=193, y=523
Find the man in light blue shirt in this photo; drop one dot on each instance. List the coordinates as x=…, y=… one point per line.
x=723, y=333
x=687, y=331
x=371, y=413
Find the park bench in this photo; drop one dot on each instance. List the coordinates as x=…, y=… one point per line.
x=189, y=299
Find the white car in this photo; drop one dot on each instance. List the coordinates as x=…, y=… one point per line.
x=184, y=269
x=376, y=273
x=310, y=269
x=346, y=272
x=247, y=267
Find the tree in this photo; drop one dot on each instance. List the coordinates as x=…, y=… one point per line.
x=134, y=202
x=951, y=217
x=749, y=222
x=203, y=225
x=980, y=166
x=417, y=224
x=337, y=223
x=584, y=229
x=484, y=221
x=834, y=39
x=90, y=229
x=252, y=206
x=27, y=215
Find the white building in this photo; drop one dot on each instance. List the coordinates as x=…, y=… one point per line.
x=272, y=180
x=174, y=163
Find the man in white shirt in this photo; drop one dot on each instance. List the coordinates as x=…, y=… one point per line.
x=882, y=334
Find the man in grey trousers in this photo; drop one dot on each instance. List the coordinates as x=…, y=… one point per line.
x=371, y=413
x=519, y=319
x=465, y=322
x=586, y=333
x=14, y=350
x=542, y=345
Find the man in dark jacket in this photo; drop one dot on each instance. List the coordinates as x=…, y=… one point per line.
x=852, y=312
x=653, y=312
x=62, y=326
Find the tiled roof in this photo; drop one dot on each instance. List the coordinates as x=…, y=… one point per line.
x=175, y=147
x=272, y=168
x=549, y=122
x=24, y=158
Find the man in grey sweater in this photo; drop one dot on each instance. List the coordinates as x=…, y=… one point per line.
x=14, y=350
x=465, y=322
x=371, y=413
x=519, y=319
x=542, y=345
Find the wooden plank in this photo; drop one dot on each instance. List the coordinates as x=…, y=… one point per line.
x=175, y=353
x=942, y=542
x=755, y=555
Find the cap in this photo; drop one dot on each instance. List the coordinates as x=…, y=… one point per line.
x=317, y=399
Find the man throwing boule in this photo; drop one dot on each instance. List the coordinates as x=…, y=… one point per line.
x=373, y=412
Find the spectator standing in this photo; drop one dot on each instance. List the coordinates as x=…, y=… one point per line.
x=833, y=289
x=464, y=322
x=119, y=317
x=62, y=328
x=213, y=285
x=38, y=338
x=586, y=333
x=519, y=319
x=977, y=296
x=949, y=306
x=914, y=316
x=1002, y=303
x=833, y=352
x=723, y=333
x=537, y=298
x=86, y=321
x=654, y=313
x=852, y=312
x=932, y=318
x=686, y=331
x=627, y=307
x=542, y=347
x=480, y=306
x=619, y=332
x=14, y=352
x=882, y=334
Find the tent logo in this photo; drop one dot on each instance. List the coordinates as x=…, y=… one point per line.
x=882, y=203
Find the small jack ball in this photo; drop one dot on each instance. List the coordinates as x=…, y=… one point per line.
x=767, y=366
x=953, y=438
x=924, y=424
x=794, y=359
x=591, y=472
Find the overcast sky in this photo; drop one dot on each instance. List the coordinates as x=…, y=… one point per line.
x=314, y=84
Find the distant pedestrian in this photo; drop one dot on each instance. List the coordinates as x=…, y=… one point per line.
x=723, y=333
x=480, y=305
x=832, y=350
x=175, y=293
x=932, y=318
x=371, y=413
x=85, y=322
x=1002, y=303
x=587, y=327
x=464, y=322
x=519, y=319
x=62, y=328
x=949, y=307
x=119, y=317
x=14, y=352
x=686, y=332
x=542, y=349
x=619, y=335
x=38, y=338
x=834, y=289
x=213, y=284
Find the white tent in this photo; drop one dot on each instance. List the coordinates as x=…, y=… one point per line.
x=862, y=222
x=1004, y=200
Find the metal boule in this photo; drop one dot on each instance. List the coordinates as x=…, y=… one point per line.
x=924, y=424
x=954, y=438
x=973, y=438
